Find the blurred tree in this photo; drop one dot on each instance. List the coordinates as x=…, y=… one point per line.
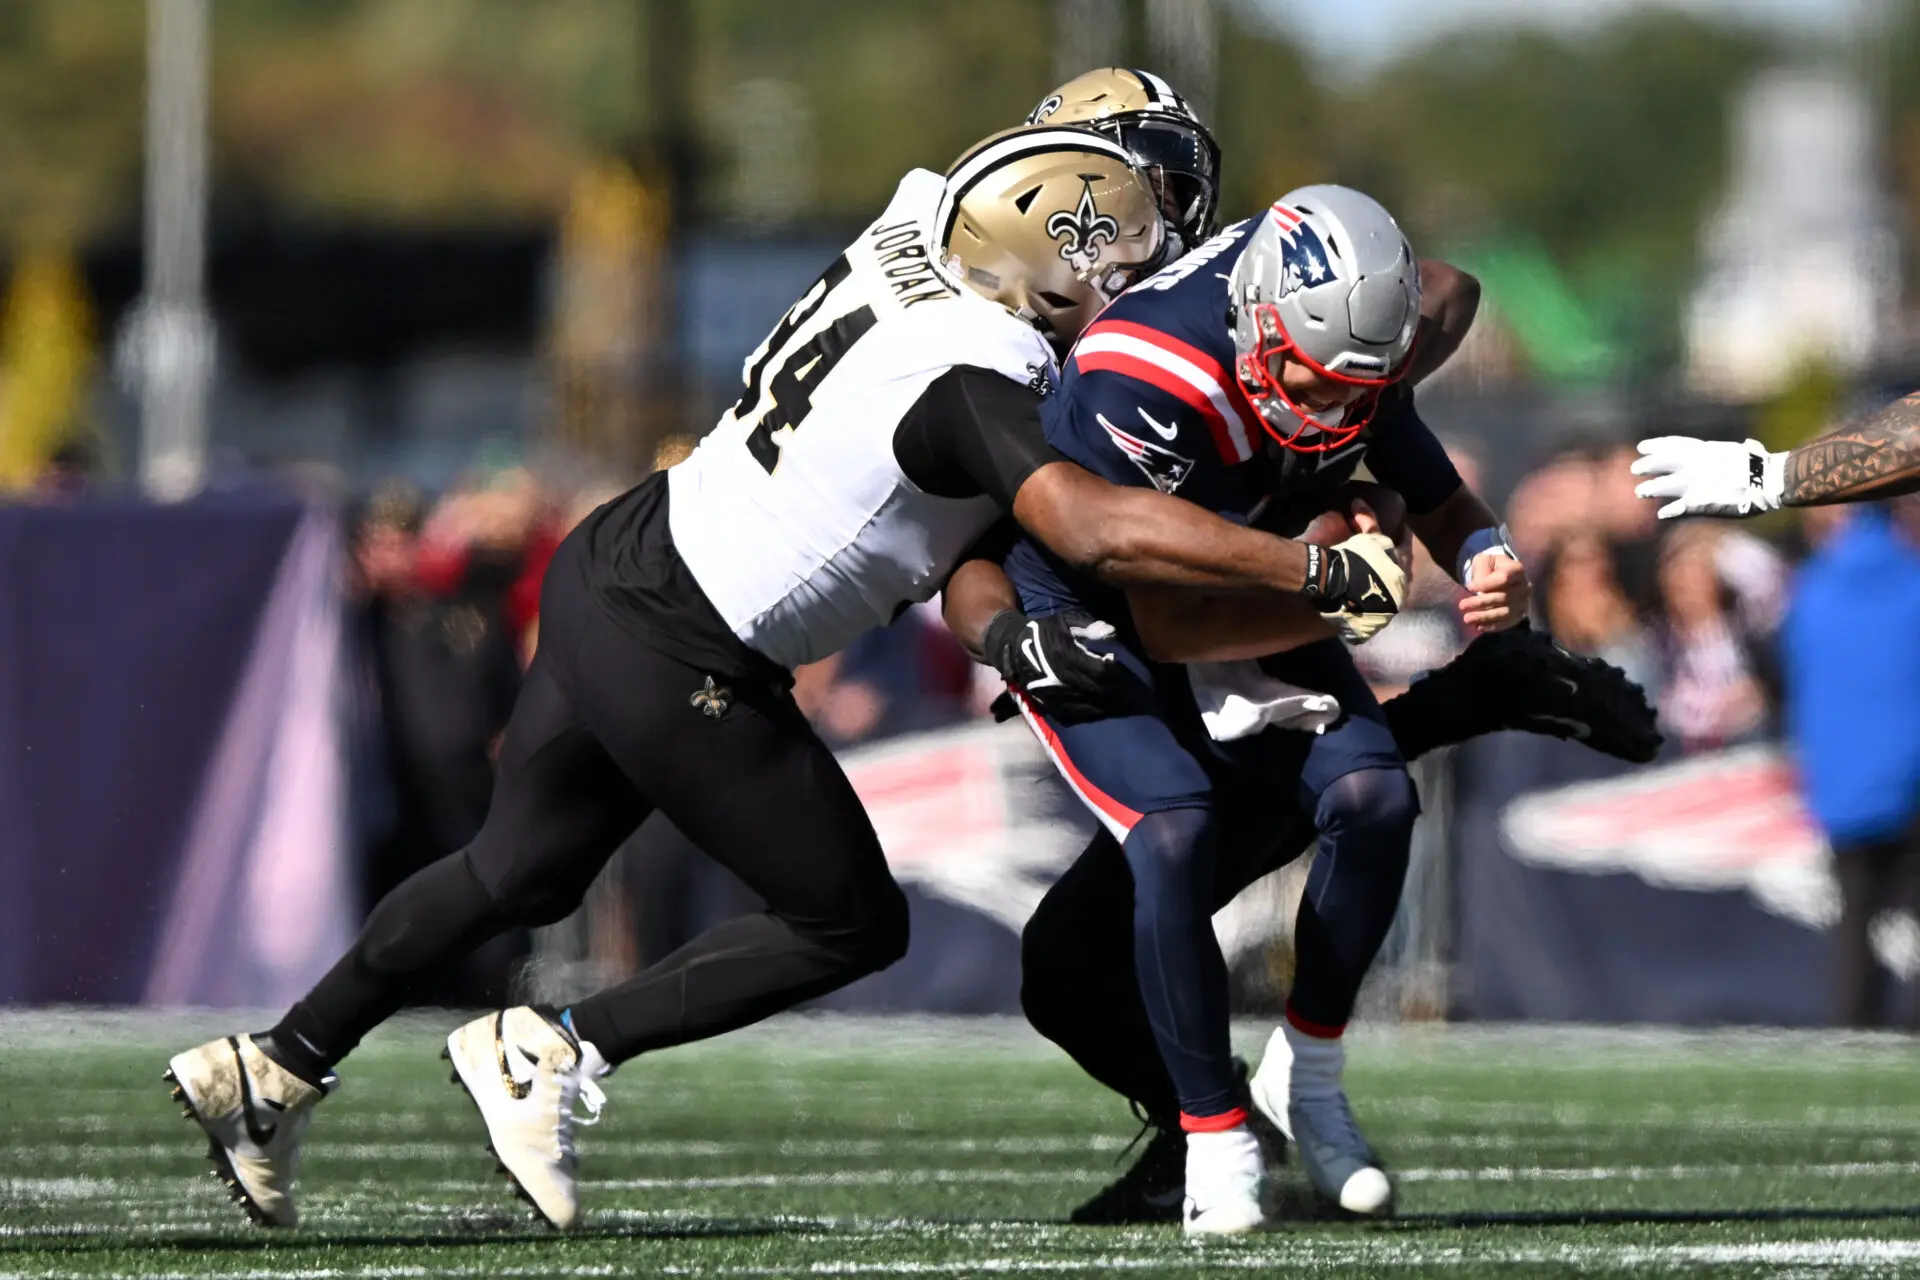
x=1608, y=148
x=1605, y=148
x=71, y=103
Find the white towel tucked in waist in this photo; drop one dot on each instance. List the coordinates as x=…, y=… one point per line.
x=1238, y=698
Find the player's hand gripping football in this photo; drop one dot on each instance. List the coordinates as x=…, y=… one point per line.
x=1049, y=662
x=1360, y=583
x=1500, y=593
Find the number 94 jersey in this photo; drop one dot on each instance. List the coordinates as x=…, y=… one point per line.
x=793, y=514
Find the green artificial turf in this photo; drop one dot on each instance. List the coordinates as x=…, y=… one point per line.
x=856, y=1147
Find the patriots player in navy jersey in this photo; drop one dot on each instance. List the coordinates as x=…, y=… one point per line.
x=1253, y=377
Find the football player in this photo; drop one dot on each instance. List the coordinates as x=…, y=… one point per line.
x=1170, y=145
x=1878, y=457
x=1253, y=377
x=1079, y=986
x=889, y=418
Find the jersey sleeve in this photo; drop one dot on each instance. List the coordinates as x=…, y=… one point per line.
x=1132, y=432
x=972, y=432
x=1406, y=457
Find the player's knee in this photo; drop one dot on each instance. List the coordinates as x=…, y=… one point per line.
x=1169, y=854
x=1045, y=962
x=443, y=900
x=878, y=937
x=1375, y=806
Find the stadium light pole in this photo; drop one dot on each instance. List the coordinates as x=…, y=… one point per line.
x=1087, y=34
x=1183, y=38
x=170, y=336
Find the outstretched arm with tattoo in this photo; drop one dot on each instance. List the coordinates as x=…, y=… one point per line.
x=1878, y=457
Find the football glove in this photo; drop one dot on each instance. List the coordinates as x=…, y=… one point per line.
x=1520, y=679
x=1048, y=661
x=1710, y=477
x=1358, y=584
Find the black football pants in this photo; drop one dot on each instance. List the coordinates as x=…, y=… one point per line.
x=605, y=731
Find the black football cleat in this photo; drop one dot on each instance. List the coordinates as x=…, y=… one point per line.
x=1520, y=679
x=1153, y=1188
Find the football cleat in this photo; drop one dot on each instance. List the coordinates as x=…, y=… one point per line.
x=1225, y=1178
x=1151, y=1190
x=1520, y=679
x=526, y=1073
x=1318, y=1121
x=254, y=1112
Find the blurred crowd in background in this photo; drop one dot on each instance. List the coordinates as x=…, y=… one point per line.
x=472, y=266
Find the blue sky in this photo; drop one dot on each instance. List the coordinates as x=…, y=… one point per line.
x=1362, y=33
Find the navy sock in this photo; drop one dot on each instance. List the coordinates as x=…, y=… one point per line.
x=1183, y=978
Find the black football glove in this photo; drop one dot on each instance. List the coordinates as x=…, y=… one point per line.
x=1520, y=679
x=1359, y=584
x=1047, y=660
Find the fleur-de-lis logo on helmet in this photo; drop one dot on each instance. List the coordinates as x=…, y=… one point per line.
x=1083, y=230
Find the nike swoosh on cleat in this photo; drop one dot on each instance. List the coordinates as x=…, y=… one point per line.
x=517, y=1089
x=1573, y=686
x=258, y=1134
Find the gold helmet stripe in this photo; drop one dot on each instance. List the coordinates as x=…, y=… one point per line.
x=991, y=155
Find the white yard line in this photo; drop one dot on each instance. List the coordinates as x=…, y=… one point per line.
x=1255, y=1255
x=135, y=1191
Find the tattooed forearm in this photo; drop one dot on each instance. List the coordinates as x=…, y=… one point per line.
x=1878, y=458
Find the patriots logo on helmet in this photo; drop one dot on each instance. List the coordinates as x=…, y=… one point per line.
x=1167, y=469
x=1304, y=260
x=1083, y=229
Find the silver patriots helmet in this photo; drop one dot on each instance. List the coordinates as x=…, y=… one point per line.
x=1327, y=279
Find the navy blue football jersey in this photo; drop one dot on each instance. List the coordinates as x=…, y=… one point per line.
x=1147, y=397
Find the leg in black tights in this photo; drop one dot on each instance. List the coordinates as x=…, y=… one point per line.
x=604, y=730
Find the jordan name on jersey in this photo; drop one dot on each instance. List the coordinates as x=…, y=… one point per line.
x=793, y=514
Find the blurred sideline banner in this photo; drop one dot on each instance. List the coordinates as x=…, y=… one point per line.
x=1695, y=892
x=171, y=773
x=975, y=828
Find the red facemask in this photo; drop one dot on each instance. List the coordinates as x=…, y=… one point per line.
x=1259, y=374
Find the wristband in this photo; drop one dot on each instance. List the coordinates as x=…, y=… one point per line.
x=1478, y=543
x=1317, y=564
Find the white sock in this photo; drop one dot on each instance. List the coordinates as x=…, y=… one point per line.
x=593, y=1064
x=1317, y=1063
x=1221, y=1163
x=1223, y=1145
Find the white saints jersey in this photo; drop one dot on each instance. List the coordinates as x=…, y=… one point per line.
x=793, y=515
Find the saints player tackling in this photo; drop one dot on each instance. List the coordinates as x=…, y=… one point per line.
x=890, y=418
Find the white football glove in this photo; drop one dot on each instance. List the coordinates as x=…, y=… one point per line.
x=1358, y=622
x=1710, y=477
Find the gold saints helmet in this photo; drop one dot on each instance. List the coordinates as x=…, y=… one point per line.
x=1051, y=223
x=1171, y=146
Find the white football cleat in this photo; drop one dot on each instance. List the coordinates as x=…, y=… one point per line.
x=255, y=1112
x=1226, y=1173
x=1298, y=1088
x=525, y=1074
